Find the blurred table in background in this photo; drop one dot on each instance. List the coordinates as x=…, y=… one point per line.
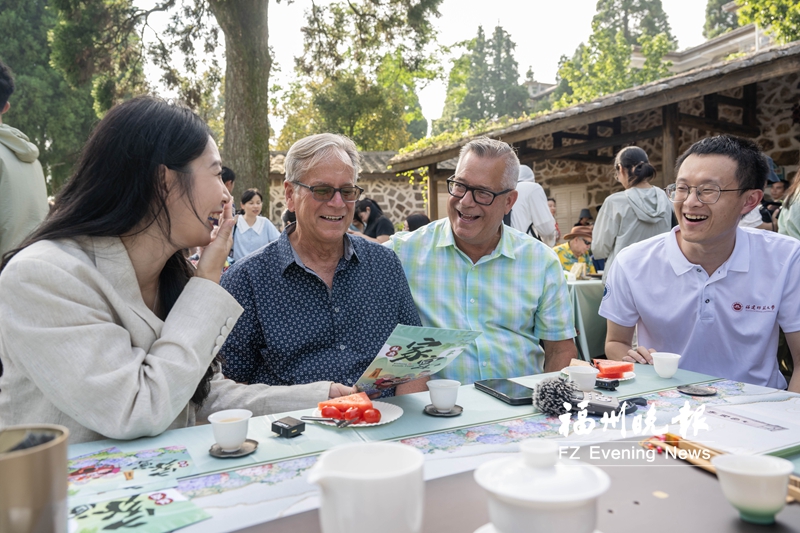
x=586, y=297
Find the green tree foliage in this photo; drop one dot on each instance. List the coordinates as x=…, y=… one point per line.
x=96, y=43
x=55, y=116
x=634, y=18
x=603, y=65
x=717, y=20
x=359, y=73
x=780, y=17
x=483, y=83
x=383, y=114
x=456, y=92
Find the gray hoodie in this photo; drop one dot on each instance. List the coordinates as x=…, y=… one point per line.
x=628, y=217
x=23, y=193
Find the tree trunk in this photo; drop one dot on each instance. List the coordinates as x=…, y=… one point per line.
x=248, y=62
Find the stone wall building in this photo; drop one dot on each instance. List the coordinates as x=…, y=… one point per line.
x=571, y=151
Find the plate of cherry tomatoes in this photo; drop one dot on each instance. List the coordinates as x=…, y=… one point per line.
x=381, y=413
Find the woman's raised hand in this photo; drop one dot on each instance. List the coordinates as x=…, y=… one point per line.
x=215, y=254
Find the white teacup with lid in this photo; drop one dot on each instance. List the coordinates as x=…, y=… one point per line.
x=535, y=491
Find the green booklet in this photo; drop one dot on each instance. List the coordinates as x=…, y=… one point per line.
x=112, y=473
x=153, y=512
x=413, y=352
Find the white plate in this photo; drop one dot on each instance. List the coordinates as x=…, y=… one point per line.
x=389, y=413
x=625, y=377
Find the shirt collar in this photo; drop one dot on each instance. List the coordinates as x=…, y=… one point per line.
x=288, y=255
x=739, y=260
x=258, y=227
x=445, y=238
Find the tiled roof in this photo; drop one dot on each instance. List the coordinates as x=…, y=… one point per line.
x=371, y=162
x=716, y=70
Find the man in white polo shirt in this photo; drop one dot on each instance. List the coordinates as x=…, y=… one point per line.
x=709, y=290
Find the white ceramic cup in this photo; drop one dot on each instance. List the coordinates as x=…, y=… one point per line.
x=230, y=428
x=444, y=393
x=755, y=484
x=665, y=363
x=583, y=376
x=368, y=487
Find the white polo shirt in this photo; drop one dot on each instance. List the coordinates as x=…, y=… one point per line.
x=726, y=324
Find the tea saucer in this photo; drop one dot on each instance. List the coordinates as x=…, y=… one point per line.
x=247, y=448
x=489, y=528
x=431, y=410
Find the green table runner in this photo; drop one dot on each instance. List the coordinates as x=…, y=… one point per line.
x=479, y=408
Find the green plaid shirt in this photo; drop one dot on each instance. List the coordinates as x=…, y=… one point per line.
x=515, y=296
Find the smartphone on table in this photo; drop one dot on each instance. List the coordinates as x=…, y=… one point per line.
x=506, y=390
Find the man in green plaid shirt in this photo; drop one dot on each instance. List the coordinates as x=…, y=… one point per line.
x=469, y=271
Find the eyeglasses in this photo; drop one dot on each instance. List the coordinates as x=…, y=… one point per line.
x=481, y=196
x=587, y=243
x=324, y=193
x=706, y=194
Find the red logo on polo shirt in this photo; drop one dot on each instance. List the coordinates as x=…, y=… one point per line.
x=763, y=308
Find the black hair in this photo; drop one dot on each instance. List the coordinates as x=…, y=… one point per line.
x=375, y=212
x=288, y=217
x=228, y=175
x=417, y=220
x=752, y=168
x=635, y=162
x=117, y=187
x=6, y=84
x=249, y=194
x=551, y=200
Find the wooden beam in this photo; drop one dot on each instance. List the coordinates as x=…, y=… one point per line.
x=711, y=110
x=600, y=142
x=597, y=159
x=669, y=118
x=750, y=108
x=433, y=193
x=583, y=158
x=718, y=126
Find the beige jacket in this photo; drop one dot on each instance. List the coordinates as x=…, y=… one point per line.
x=80, y=348
x=23, y=193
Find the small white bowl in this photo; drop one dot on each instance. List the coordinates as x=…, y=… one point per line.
x=755, y=484
x=665, y=363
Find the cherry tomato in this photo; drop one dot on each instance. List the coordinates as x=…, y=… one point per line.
x=330, y=411
x=372, y=416
x=352, y=414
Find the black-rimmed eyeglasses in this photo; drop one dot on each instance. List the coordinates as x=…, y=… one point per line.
x=324, y=193
x=481, y=196
x=706, y=194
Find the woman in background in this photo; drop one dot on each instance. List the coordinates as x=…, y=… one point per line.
x=639, y=212
x=105, y=326
x=416, y=221
x=252, y=230
x=377, y=227
x=789, y=221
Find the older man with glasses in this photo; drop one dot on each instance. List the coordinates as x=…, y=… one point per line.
x=576, y=249
x=469, y=271
x=318, y=303
x=712, y=291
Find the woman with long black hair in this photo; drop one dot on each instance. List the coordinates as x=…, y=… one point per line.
x=377, y=227
x=639, y=212
x=105, y=327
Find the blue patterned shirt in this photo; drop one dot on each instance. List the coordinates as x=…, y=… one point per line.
x=516, y=296
x=295, y=330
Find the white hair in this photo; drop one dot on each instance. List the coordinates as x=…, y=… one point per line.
x=310, y=151
x=486, y=147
